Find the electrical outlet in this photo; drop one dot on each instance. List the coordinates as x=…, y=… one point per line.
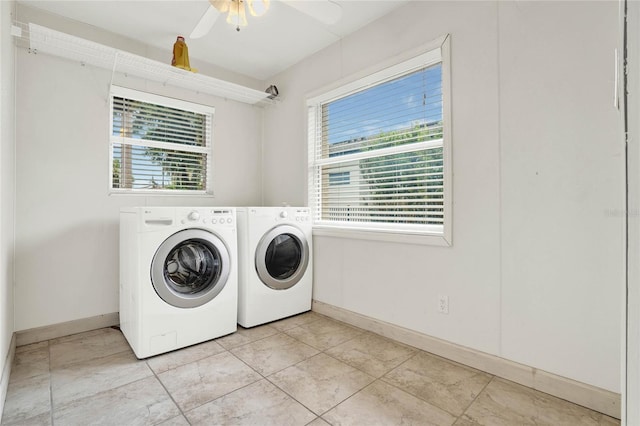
x=443, y=304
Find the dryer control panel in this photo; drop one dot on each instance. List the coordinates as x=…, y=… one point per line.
x=285, y=214
x=207, y=216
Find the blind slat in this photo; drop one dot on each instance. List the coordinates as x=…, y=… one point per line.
x=148, y=121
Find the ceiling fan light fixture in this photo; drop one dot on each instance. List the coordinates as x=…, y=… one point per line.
x=327, y=12
x=258, y=7
x=237, y=14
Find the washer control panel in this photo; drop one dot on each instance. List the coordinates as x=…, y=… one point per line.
x=300, y=215
x=207, y=216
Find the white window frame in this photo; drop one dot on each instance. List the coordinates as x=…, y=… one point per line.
x=123, y=92
x=437, y=51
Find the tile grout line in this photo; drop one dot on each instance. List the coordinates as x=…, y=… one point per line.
x=363, y=331
x=423, y=400
x=67, y=365
x=127, y=347
x=177, y=350
x=287, y=393
x=126, y=350
x=323, y=351
x=407, y=391
x=247, y=343
x=293, y=398
x=284, y=333
x=475, y=399
x=350, y=396
x=416, y=351
x=361, y=370
x=221, y=396
x=262, y=377
x=167, y=391
x=320, y=352
x=110, y=389
x=228, y=350
x=284, y=368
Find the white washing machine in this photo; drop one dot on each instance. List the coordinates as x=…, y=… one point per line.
x=275, y=274
x=178, y=276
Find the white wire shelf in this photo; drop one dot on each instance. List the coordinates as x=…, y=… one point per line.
x=41, y=39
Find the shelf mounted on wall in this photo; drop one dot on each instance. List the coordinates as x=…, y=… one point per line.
x=41, y=39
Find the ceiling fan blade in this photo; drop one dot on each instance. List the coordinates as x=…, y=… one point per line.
x=324, y=11
x=206, y=23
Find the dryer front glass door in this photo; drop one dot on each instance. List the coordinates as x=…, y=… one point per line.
x=190, y=268
x=282, y=257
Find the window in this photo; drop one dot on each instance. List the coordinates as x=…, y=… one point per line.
x=379, y=149
x=159, y=145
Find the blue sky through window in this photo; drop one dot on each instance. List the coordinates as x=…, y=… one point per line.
x=401, y=103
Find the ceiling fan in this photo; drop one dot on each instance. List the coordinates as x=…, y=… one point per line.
x=325, y=11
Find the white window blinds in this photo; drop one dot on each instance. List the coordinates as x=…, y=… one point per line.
x=377, y=153
x=159, y=144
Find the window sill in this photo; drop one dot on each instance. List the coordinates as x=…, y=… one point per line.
x=159, y=193
x=386, y=236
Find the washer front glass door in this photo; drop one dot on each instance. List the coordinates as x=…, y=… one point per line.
x=190, y=268
x=282, y=256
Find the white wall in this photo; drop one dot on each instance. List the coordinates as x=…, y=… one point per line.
x=66, y=222
x=536, y=268
x=562, y=188
x=7, y=145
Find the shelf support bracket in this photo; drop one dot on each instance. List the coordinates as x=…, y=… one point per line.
x=115, y=63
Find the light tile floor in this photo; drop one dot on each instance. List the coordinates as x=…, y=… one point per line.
x=304, y=370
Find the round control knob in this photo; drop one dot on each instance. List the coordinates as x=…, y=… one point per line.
x=194, y=215
x=283, y=214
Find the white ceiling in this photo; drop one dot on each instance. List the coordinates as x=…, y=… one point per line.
x=267, y=46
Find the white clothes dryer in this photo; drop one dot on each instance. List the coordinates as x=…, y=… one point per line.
x=275, y=275
x=178, y=276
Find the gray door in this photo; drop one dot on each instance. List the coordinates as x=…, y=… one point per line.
x=190, y=268
x=282, y=256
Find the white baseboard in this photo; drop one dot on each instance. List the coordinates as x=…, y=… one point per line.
x=6, y=372
x=592, y=397
x=40, y=334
